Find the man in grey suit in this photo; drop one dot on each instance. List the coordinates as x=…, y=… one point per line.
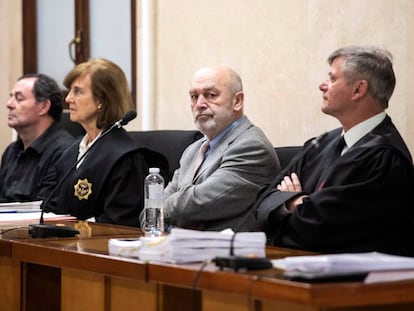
x=219, y=193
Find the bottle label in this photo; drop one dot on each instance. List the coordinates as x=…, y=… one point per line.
x=155, y=192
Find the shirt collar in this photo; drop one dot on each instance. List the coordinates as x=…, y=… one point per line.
x=360, y=130
x=40, y=143
x=84, y=146
x=216, y=139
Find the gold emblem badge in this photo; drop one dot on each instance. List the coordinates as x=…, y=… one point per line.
x=83, y=189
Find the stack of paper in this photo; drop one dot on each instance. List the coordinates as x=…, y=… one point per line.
x=124, y=247
x=372, y=264
x=20, y=207
x=357, y=262
x=183, y=245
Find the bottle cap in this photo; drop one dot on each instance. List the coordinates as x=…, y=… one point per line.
x=154, y=170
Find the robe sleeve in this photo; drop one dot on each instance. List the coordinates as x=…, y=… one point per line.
x=124, y=191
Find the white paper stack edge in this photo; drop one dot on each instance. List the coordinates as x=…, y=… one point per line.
x=124, y=247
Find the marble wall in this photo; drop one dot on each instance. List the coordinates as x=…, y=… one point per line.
x=10, y=60
x=278, y=47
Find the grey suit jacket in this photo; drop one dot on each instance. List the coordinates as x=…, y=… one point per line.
x=225, y=187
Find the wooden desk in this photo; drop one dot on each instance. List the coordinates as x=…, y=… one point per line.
x=267, y=290
x=74, y=273
x=78, y=274
x=9, y=278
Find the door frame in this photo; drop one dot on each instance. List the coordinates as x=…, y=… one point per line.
x=82, y=51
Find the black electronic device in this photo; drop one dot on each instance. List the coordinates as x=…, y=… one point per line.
x=42, y=230
x=242, y=263
x=49, y=230
x=315, y=277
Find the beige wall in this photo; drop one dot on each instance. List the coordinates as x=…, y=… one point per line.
x=279, y=48
x=10, y=60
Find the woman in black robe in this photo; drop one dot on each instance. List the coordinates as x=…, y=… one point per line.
x=108, y=183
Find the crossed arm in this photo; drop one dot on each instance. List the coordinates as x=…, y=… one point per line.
x=291, y=183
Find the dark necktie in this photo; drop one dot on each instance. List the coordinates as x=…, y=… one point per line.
x=339, y=147
x=333, y=155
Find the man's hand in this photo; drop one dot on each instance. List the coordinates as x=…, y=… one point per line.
x=291, y=183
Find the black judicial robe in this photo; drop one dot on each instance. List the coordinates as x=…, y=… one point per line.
x=360, y=202
x=108, y=185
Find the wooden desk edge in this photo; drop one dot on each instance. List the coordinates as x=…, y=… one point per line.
x=56, y=257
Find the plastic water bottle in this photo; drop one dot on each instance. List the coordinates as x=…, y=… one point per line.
x=154, y=197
